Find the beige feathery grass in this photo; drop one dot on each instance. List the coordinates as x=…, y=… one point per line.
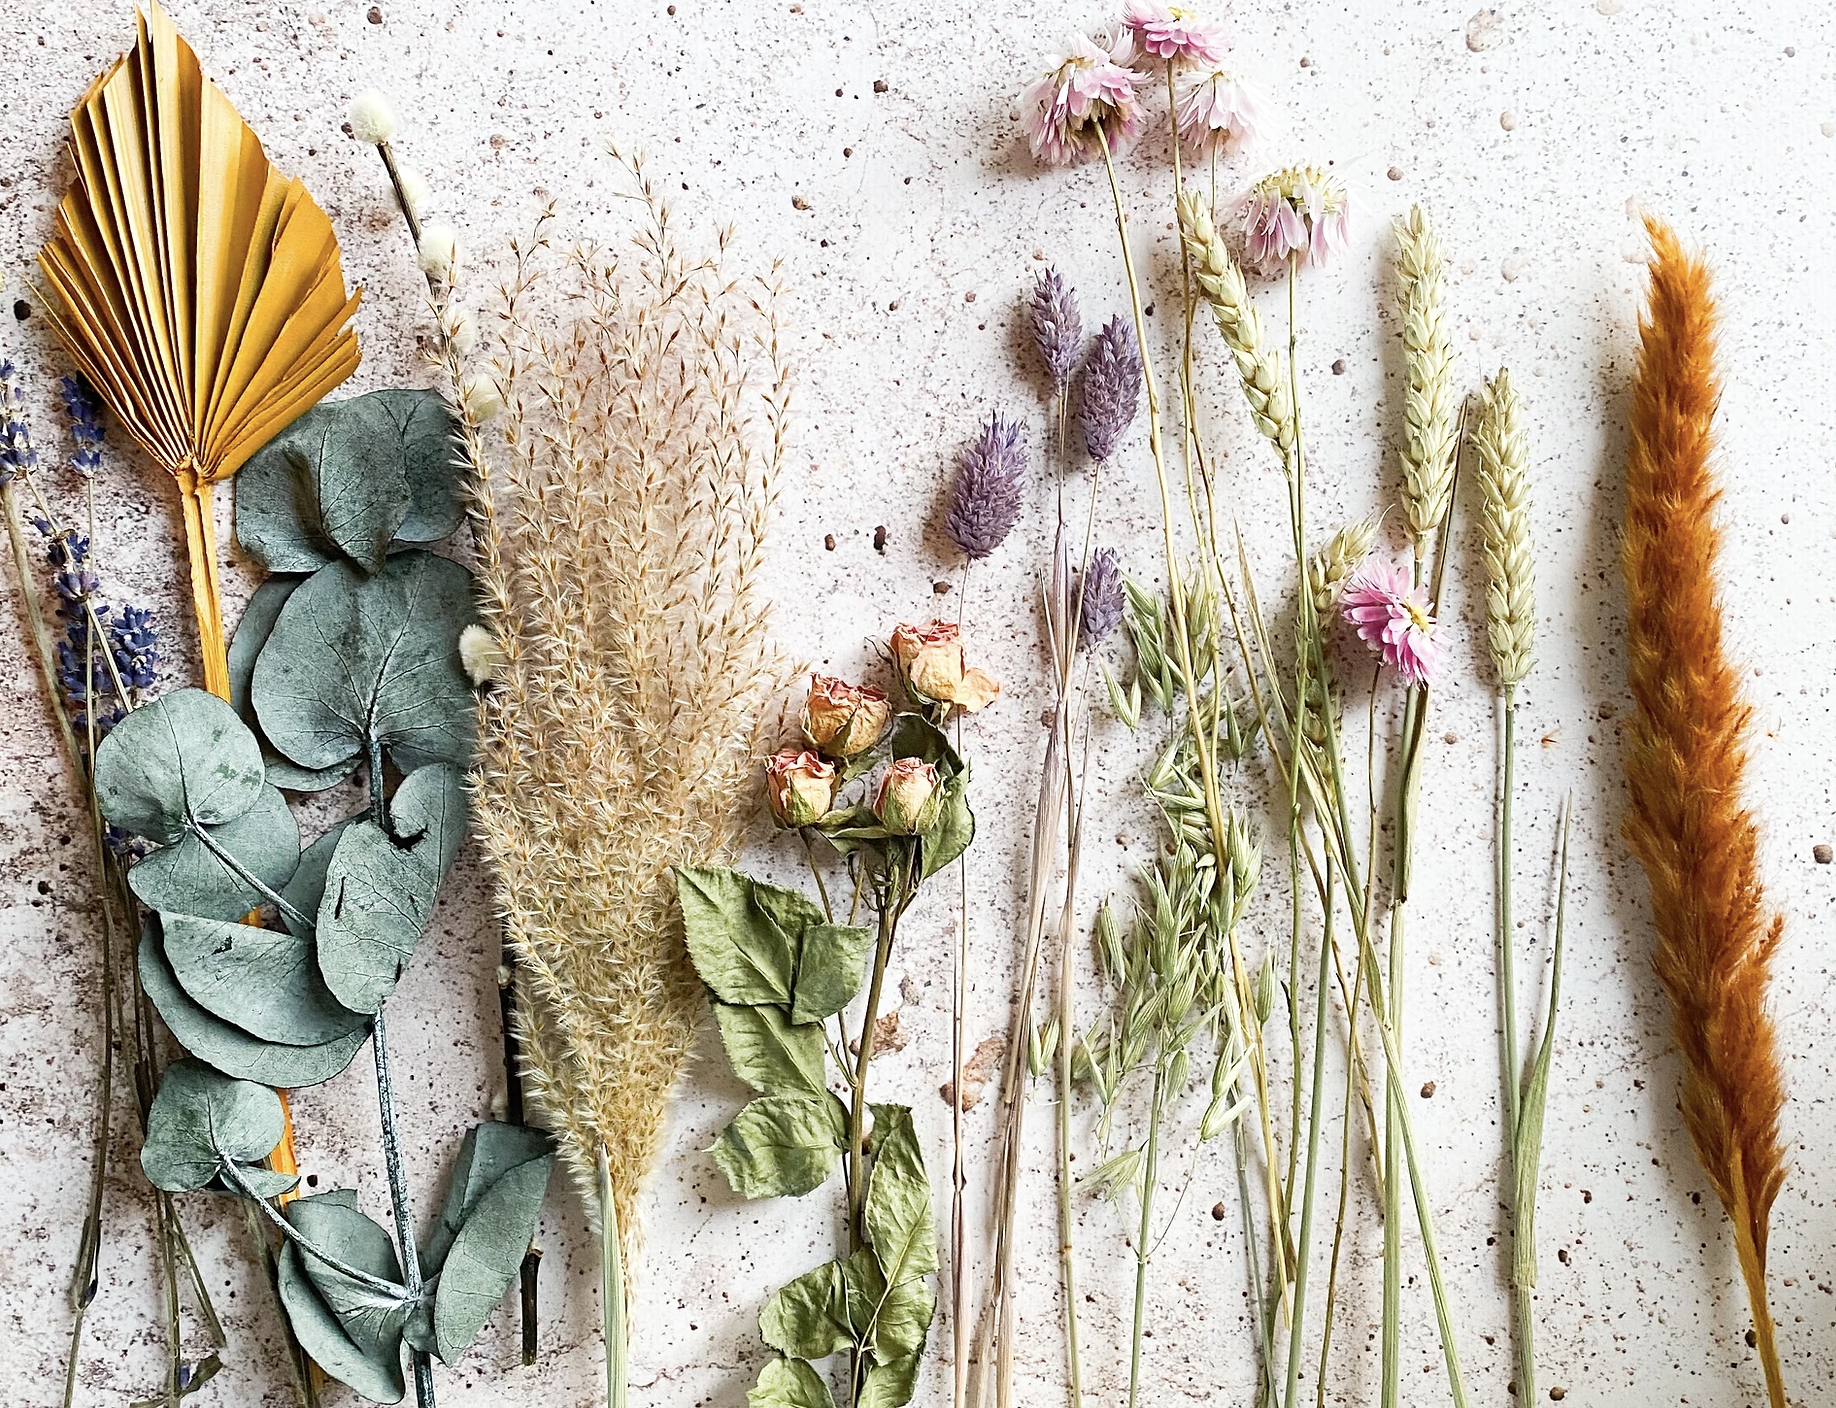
x=1504, y=487
x=644, y=402
x=1428, y=419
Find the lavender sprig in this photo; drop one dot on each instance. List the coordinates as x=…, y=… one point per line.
x=1112, y=389
x=1057, y=328
x=16, y=453
x=989, y=478
x=85, y=413
x=1100, y=598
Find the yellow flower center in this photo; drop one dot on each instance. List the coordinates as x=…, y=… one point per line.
x=1418, y=616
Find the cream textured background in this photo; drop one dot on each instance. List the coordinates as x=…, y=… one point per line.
x=1533, y=133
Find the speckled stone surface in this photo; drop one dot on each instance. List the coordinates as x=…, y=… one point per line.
x=873, y=149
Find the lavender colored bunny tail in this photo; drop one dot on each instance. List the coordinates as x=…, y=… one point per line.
x=1112, y=388
x=1057, y=328
x=1100, y=589
x=989, y=478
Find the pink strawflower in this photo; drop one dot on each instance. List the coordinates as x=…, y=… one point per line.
x=1392, y=617
x=1086, y=97
x=1217, y=112
x=1174, y=32
x=1297, y=211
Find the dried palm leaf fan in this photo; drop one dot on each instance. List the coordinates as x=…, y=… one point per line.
x=201, y=291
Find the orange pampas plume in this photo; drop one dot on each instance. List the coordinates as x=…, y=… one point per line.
x=1688, y=825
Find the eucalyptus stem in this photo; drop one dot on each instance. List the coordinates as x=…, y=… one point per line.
x=1144, y=1253
x=398, y=1202
x=234, y=1176
x=615, y=1328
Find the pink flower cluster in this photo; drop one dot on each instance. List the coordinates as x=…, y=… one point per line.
x=1090, y=96
x=1297, y=212
x=1393, y=617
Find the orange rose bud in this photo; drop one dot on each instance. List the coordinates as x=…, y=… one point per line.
x=843, y=720
x=800, y=787
x=931, y=662
x=909, y=797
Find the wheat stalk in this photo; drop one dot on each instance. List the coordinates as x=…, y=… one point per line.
x=1504, y=490
x=1428, y=420
x=643, y=423
x=1688, y=824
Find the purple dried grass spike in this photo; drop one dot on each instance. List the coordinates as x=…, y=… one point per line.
x=1112, y=388
x=990, y=476
x=1102, y=599
x=1057, y=328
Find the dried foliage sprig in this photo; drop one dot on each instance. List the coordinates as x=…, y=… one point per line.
x=623, y=498
x=1689, y=823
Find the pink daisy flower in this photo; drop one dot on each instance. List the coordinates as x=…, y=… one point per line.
x=1217, y=112
x=1086, y=96
x=1297, y=211
x=1392, y=617
x=1174, y=32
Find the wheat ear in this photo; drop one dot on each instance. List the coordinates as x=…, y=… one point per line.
x=1504, y=491
x=1688, y=824
x=1428, y=420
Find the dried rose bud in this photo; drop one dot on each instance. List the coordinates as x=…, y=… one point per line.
x=800, y=787
x=843, y=720
x=909, y=797
x=931, y=663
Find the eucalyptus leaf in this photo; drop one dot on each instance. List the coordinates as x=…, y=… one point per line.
x=207, y=871
x=889, y=1383
x=781, y=1145
x=488, y=1152
x=898, y=1214
x=178, y=764
x=265, y=981
x=429, y=810
x=228, y=1048
x=741, y=953
x=375, y=1374
x=770, y=1053
x=201, y=1120
x=423, y=429
x=372, y=1318
x=329, y=485
x=306, y=890
x=789, y=1383
x=356, y=662
x=378, y=896
x=809, y=1318
x=831, y=965
x=483, y=1259
x=252, y=633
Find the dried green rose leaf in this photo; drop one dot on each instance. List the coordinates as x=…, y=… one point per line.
x=770, y=1053
x=898, y=1214
x=375, y=1374
x=789, y=1383
x=228, y=1048
x=781, y=1146
x=378, y=896
x=482, y=1262
x=265, y=981
x=740, y=951
x=182, y=762
x=211, y=871
x=831, y=965
x=889, y=1383
x=201, y=1120
x=950, y=835
x=488, y=1152
x=356, y=661
x=809, y=1318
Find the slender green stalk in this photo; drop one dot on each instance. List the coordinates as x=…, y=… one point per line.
x=614, y=1327
x=1144, y=1246
x=398, y=1202
x=1316, y=1109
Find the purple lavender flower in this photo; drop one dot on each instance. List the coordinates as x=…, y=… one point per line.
x=85, y=413
x=1112, y=388
x=1057, y=328
x=1099, y=596
x=16, y=452
x=989, y=477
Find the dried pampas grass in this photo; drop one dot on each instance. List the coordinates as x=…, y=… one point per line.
x=642, y=426
x=1688, y=824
